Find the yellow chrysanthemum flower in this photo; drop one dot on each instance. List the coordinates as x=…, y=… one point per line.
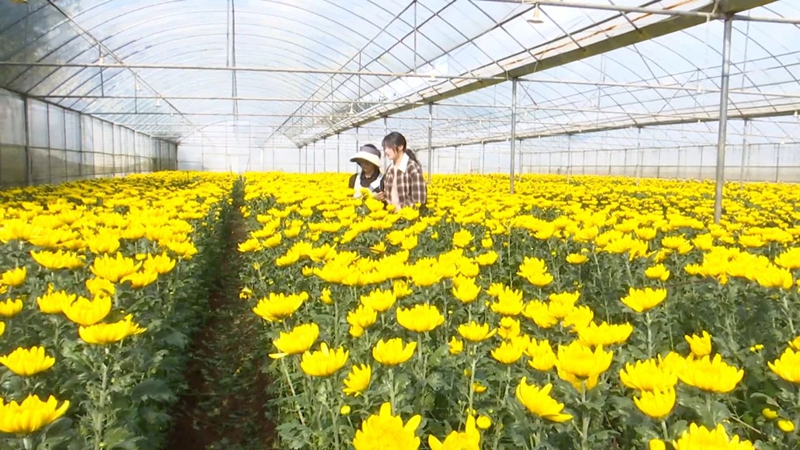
x=277, y=307
x=787, y=366
x=468, y=439
x=712, y=375
x=324, y=362
x=54, y=302
x=604, y=334
x=26, y=362
x=297, y=341
x=393, y=351
x=700, y=345
x=10, y=307
x=578, y=363
x=109, y=333
x=87, y=312
x=14, y=277
x=114, y=268
x=30, y=415
x=420, y=318
x=641, y=300
x=379, y=429
x=475, y=332
x=700, y=437
x=357, y=380
x=539, y=402
x=656, y=404
x=508, y=352
x=647, y=375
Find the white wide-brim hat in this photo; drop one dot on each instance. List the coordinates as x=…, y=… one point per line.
x=368, y=153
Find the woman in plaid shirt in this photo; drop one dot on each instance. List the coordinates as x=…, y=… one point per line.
x=404, y=184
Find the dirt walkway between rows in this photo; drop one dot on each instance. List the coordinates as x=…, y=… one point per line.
x=226, y=404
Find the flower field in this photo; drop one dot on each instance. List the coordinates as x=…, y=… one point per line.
x=101, y=283
x=597, y=314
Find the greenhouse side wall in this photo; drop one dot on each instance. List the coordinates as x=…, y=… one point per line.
x=773, y=162
x=45, y=143
x=763, y=162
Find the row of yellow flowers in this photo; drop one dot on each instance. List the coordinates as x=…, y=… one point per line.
x=85, y=266
x=600, y=313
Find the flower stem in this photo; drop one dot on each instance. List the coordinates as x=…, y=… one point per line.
x=665, y=430
x=628, y=269
x=334, y=416
x=100, y=418
x=421, y=356
x=335, y=322
x=472, y=384
x=391, y=389
x=585, y=418
x=291, y=388
x=710, y=410
x=648, y=321
x=27, y=442
x=788, y=313
x=508, y=384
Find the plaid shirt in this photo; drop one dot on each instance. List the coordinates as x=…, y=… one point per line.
x=411, y=187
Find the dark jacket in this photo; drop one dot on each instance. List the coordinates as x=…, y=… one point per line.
x=364, y=181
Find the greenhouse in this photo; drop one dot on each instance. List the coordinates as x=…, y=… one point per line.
x=399, y=224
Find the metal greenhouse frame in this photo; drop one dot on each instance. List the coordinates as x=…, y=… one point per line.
x=218, y=83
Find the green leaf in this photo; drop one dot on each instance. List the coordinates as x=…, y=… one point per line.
x=120, y=439
x=152, y=389
x=177, y=339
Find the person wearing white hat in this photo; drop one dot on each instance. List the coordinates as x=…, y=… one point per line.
x=369, y=175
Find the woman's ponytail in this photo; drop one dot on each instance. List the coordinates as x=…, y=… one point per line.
x=396, y=140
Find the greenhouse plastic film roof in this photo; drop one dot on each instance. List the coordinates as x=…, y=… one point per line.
x=306, y=70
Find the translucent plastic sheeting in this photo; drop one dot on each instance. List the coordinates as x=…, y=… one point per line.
x=63, y=145
x=655, y=83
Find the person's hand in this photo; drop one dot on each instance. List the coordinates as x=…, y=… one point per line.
x=381, y=196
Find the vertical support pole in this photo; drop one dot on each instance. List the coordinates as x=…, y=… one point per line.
x=569, y=157
x=483, y=158
x=513, y=138
x=430, y=142
x=28, y=156
x=745, y=148
x=338, y=155
x=314, y=157
x=723, y=118
x=357, y=144
x=778, y=162
x=80, y=137
x=261, y=166
x=637, y=168
x=624, y=164
x=658, y=164
x=521, y=167
x=701, y=163
x=455, y=160
x=325, y=154
x=415, y=36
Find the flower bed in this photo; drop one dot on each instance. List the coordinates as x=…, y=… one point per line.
x=601, y=313
x=101, y=284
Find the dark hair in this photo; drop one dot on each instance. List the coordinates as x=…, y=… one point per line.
x=395, y=140
x=372, y=147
